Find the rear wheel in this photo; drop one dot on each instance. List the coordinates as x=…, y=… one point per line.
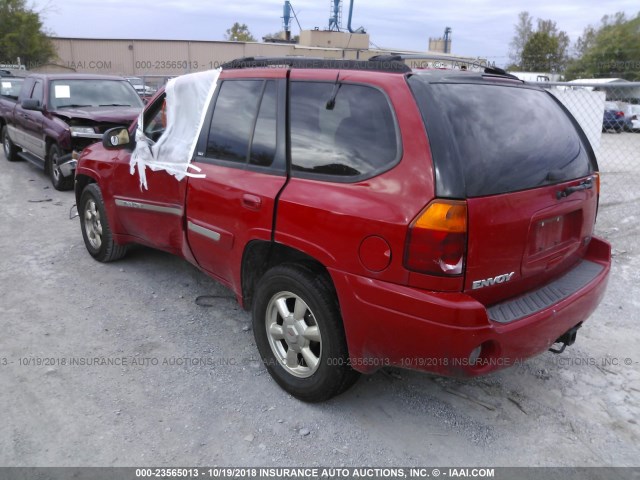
x=59, y=181
x=10, y=150
x=95, y=226
x=299, y=333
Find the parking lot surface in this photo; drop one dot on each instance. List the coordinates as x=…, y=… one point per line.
x=118, y=365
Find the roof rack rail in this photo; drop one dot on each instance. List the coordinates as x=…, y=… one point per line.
x=444, y=58
x=389, y=66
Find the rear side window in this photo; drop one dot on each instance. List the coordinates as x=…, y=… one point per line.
x=351, y=138
x=232, y=122
x=263, y=148
x=243, y=127
x=491, y=139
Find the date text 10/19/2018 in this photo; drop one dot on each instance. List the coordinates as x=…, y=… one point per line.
x=313, y=472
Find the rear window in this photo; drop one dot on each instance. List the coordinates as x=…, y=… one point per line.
x=491, y=139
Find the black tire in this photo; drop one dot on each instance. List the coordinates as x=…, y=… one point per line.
x=95, y=227
x=319, y=308
x=58, y=181
x=10, y=150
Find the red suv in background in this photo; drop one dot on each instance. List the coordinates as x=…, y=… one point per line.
x=372, y=215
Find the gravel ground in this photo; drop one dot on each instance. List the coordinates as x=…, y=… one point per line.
x=164, y=408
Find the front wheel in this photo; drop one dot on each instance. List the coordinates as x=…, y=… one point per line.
x=58, y=181
x=95, y=226
x=299, y=333
x=10, y=150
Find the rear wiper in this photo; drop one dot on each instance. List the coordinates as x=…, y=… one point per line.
x=586, y=185
x=74, y=105
x=115, y=105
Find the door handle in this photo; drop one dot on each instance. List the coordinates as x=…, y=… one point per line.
x=252, y=202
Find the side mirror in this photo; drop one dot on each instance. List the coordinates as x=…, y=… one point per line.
x=31, y=104
x=116, y=138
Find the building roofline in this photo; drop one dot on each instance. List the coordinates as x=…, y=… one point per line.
x=153, y=40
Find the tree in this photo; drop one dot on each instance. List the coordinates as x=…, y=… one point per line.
x=610, y=51
x=546, y=49
x=586, y=41
x=524, y=30
x=22, y=35
x=280, y=36
x=239, y=33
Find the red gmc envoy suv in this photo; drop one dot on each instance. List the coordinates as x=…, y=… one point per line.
x=369, y=215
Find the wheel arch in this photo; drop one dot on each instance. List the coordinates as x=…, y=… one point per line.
x=81, y=183
x=259, y=256
x=48, y=142
x=82, y=180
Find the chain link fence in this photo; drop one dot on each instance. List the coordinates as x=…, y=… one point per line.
x=609, y=113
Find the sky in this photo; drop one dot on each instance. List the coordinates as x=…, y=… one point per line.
x=481, y=28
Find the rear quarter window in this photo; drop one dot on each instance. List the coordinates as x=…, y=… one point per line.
x=353, y=138
x=490, y=139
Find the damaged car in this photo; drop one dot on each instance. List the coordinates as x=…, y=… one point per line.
x=56, y=116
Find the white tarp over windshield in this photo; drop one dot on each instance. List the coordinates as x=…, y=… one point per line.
x=187, y=98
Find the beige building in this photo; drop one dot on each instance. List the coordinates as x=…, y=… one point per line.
x=437, y=45
x=176, y=57
x=158, y=59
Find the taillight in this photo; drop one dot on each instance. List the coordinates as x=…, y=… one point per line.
x=437, y=239
x=619, y=114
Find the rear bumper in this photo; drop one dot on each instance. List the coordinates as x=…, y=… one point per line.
x=389, y=324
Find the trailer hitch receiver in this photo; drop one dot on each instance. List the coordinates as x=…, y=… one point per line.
x=567, y=339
